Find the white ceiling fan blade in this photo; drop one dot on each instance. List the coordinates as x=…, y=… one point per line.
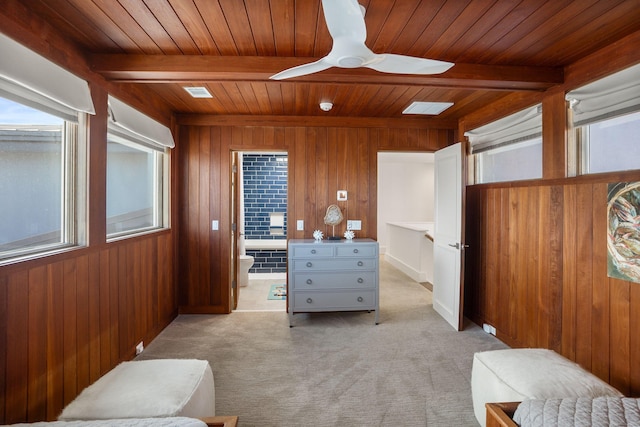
x=401, y=64
x=302, y=70
x=344, y=18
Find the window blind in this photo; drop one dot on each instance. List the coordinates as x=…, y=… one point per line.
x=612, y=96
x=521, y=126
x=33, y=80
x=131, y=123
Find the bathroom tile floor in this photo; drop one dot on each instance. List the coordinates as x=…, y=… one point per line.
x=254, y=296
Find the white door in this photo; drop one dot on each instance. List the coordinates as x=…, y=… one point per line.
x=448, y=239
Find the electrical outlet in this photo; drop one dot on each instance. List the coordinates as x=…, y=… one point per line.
x=489, y=329
x=300, y=225
x=140, y=348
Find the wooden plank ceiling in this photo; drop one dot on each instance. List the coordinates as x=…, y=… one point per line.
x=233, y=46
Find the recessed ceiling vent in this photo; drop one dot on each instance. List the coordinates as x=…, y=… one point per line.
x=428, y=108
x=198, y=92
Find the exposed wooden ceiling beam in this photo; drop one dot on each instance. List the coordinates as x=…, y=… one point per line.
x=312, y=121
x=202, y=68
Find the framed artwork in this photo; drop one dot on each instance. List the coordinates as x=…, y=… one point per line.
x=623, y=231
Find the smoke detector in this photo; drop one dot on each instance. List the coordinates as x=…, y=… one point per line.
x=326, y=106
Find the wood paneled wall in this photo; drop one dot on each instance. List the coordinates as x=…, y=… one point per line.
x=536, y=268
x=537, y=271
x=68, y=318
x=67, y=322
x=322, y=160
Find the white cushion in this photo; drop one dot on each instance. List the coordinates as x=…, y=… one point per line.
x=128, y=422
x=149, y=388
x=513, y=375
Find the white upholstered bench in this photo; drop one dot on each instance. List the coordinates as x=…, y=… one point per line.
x=514, y=375
x=147, y=389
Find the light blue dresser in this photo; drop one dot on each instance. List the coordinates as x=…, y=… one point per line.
x=333, y=275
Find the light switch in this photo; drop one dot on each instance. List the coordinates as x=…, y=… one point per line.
x=300, y=225
x=215, y=224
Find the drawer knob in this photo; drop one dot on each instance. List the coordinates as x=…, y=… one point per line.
x=355, y=251
x=309, y=300
x=360, y=299
x=309, y=264
x=360, y=280
x=309, y=281
x=313, y=251
x=360, y=263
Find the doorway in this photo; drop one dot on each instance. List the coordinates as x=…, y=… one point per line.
x=406, y=212
x=260, y=214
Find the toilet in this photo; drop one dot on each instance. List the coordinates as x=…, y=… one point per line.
x=246, y=261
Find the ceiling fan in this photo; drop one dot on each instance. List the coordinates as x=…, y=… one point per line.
x=345, y=21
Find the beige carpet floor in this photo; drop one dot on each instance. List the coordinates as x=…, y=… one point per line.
x=336, y=369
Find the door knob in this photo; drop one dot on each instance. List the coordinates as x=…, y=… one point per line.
x=459, y=245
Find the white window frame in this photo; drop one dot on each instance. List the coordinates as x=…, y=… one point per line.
x=515, y=131
x=606, y=99
x=134, y=129
x=160, y=189
x=73, y=194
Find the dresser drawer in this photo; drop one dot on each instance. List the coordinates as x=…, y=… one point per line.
x=356, y=250
x=333, y=264
x=329, y=301
x=328, y=280
x=310, y=251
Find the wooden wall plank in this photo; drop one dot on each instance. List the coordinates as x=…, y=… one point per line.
x=106, y=323
x=82, y=323
x=569, y=273
x=600, y=357
x=534, y=223
x=584, y=274
x=114, y=313
x=18, y=335
x=620, y=338
x=489, y=258
x=517, y=261
x=3, y=344
x=205, y=198
x=70, y=331
x=372, y=213
x=37, y=349
x=505, y=320
x=124, y=299
x=220, y=139
x=93, y=307
x=55, y=340
x=555, y=268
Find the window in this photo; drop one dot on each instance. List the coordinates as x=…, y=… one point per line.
x=610, y=145
x=40, y=181
x=137, y=172
x=509, y=149
x=513, y=162
x=606, y=117
x=135, y=190
x=42, y=154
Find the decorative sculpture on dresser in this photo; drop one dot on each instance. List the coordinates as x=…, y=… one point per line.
x=333, y=217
